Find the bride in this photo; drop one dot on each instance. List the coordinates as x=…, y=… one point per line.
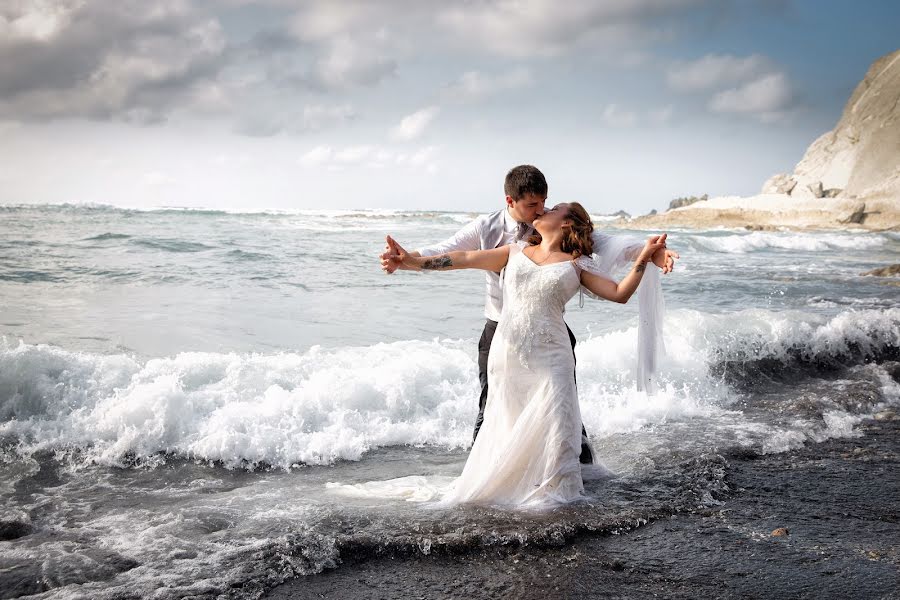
x=527, y=451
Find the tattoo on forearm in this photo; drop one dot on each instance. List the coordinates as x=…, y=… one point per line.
x=639, y=268
x=437, y=263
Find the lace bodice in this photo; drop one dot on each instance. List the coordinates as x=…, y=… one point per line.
x=534, y=299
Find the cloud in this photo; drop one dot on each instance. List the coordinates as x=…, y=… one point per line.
x=271, y=120
x=317, y=156
x=527, y=28
x=767, y=98
x=660, y=116
x=353, y=154
x=715, y=71
x=616, y=117
x=476, y=85
x=275, y=58
x=347, y=63
x=358, y=41
x=317, y=117
x=126, y=60
x=751, y=85
x=157, y=179
x=412, y=126
x=329, y=46
x=613, y=115
x=370, y=157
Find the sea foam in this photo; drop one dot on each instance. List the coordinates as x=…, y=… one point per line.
x=760, y=240
x=326, y=405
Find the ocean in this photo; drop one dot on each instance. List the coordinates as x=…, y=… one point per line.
x=179, y=386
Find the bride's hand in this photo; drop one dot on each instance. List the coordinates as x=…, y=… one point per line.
x=390, y=262
x=653, y=245
x=398, y=254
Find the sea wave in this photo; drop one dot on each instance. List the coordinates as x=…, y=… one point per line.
x=368, y=214
x=806, y=242
x=326, y=405
x=314, y=408
x=784, y=348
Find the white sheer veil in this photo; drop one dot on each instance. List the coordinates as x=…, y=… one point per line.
x=611, y=253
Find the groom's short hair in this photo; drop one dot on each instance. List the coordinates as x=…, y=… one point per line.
x=524, y=180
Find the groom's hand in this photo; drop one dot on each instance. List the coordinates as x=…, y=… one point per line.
x=391, y=258
x=665, y=259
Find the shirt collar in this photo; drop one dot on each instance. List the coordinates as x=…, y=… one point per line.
x=509, y=224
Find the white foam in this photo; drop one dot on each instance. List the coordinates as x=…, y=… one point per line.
x=316, y=407
x=322, y=406
x=805, y=242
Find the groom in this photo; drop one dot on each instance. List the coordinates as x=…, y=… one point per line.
x=526, y=192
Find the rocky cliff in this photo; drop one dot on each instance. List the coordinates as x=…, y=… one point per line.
x=860, y=157
x=849, y=177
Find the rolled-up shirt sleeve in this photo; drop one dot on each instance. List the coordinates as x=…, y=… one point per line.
x=467, y=238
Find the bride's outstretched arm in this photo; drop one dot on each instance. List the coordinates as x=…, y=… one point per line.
x=488, y=260
x=622, y=291
x=616, y=250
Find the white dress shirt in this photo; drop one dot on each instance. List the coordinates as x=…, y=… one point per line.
x=484, y=233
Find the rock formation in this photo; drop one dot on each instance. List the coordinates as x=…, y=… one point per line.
x=848, y=178
x=680, y=202
x=860, y=157
x=889, y=271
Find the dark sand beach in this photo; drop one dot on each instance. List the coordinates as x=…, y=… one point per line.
x=839, y=502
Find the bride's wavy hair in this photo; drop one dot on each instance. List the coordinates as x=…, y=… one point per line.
x=577, y=240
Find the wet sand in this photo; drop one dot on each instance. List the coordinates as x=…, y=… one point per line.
x=839, y=501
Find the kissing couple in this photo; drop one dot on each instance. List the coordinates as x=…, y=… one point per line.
x=529, y=439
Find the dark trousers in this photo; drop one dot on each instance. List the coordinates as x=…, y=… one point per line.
x=484, y=348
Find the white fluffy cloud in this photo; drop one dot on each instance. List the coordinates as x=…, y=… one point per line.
x=271, y=120
x=715, y=71
x=297, y=67
x=476, y=85
x=767, y=98
x=370, y=157
x=523, y=28
x=751, y=85
x=129, y=59
x=613, y=115
x=346, y=63
x=317, y=117
x=412, y=126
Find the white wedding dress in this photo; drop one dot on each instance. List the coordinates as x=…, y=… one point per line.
x=527, y=449
x=526, y=453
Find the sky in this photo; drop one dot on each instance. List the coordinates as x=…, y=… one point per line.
x=419, y=104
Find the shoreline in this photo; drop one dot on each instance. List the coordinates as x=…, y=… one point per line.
x=836, y=499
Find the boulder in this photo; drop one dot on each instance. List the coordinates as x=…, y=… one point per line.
x=682, y=202
x=779, y=184
x=889, y=271
x=857, y=216
x=817, y=190
x=13, y=529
